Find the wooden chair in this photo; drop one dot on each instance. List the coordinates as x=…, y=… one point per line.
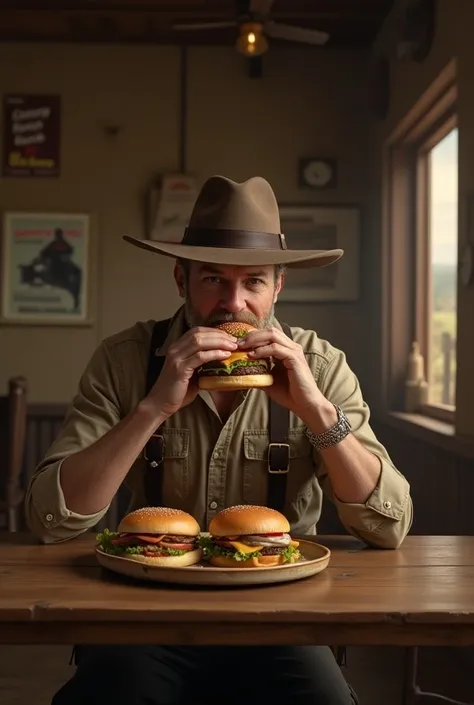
x=13, y=412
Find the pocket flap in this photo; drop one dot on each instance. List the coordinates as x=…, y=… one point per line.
x=176, y=442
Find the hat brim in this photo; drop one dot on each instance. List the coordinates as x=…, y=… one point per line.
x=239, y=257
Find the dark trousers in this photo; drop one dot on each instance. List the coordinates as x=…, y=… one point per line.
x=204, y=675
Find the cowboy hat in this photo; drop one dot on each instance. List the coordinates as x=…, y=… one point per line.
x=237, y=223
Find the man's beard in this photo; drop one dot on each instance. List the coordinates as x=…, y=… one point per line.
x=193, y=318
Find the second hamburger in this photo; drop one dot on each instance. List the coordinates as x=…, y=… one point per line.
x=249, y=536
x=237, y=371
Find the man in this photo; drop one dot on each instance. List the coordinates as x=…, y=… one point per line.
x=215, y=450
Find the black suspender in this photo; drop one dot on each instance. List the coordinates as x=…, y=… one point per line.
x=278, y=450
x=154, y=449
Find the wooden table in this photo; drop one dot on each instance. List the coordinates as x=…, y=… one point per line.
x=420, y=594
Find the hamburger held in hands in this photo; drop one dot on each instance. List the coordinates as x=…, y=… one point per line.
x=249, y=536
x=155, y=535
x=237, y=371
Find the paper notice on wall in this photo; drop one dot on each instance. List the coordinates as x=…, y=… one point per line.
x=175, y=201
x=31, y=136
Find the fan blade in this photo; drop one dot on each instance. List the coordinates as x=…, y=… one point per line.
x=204, y=25
x=295, y=34
x=261, y=7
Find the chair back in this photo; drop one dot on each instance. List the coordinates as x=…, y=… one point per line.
x=13, y=414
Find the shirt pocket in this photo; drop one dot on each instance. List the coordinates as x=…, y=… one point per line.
x=255, y=461
x=175, y=466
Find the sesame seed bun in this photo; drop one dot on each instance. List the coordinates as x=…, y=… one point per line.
x=159, y=520
x=236, y=328
x=248, y=519
x=233, y=383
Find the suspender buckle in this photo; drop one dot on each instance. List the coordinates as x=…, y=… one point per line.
x=154, y=450
x=278, y=458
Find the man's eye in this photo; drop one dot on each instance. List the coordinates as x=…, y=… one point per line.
x=212, y=280
x=255, y=282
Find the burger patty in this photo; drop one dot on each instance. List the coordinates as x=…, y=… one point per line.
x=237, y=371
x=178, y=539
x=272, y=551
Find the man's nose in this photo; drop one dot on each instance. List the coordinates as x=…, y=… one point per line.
x=233, y=299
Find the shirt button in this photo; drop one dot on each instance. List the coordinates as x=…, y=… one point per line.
x=213, y=505
x=49, y=517
x=216, y=454
x=387, y=505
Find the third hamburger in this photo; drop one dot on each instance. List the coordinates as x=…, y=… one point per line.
x=250, y=536
x=237, y=371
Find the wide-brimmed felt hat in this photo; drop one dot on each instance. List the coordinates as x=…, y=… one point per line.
x=237, y=223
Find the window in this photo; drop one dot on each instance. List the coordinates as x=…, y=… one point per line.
x=420, y=245
x=438, y=197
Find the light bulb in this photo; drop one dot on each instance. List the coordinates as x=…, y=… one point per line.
x=251, y=41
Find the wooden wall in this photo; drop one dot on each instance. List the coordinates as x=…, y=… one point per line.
x=442, y=482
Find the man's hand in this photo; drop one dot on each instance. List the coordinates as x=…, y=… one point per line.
x=294, y=386
x=177, y=386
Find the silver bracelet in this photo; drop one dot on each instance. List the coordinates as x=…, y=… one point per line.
x=333, y=435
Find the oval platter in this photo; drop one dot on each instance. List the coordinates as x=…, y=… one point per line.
x=316, y=559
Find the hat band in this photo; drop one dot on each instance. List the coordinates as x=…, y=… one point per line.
x=234, y=239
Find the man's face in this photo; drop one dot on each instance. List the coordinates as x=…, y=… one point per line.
x=219, y=293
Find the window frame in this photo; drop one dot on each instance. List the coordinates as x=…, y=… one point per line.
x=406, y=236
x=442, y=412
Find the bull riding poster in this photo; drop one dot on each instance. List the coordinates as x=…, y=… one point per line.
x=45, y=268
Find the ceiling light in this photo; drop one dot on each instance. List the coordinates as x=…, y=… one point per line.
x=251, y=41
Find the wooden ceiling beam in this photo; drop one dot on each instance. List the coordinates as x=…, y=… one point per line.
x=197, y=14
x=152, y=20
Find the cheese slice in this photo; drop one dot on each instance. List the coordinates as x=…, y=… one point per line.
x=243, y=548
x=233, y=357
x=295, y=544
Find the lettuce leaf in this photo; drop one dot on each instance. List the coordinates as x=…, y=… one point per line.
x=290, y=554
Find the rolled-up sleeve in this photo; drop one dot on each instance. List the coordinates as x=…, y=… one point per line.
x=386, y=517
x=94, y=410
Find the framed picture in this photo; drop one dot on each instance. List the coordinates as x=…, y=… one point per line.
x=45, y=265
x=322, y=228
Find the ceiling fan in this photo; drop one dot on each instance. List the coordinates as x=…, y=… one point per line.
x=254, y=26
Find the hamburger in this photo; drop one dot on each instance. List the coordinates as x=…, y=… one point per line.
x=156, y=536
x=237, y=371
x=249, y=536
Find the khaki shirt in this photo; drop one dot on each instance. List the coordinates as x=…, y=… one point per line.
x=208, y=464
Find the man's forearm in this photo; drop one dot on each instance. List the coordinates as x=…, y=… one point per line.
x=90, y=478
x=353, y=470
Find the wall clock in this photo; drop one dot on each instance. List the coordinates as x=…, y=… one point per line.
x=318, y=172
